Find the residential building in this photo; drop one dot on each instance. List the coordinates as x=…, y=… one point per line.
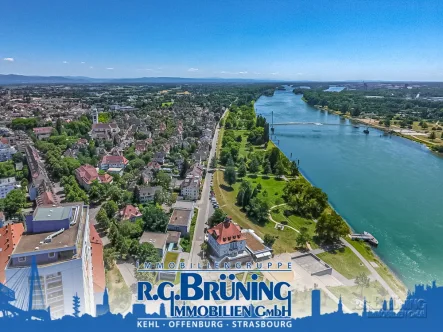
x=180, y=220
x=98, y=267
x=9, y=237
x=40, y=188
x=158, y=240
x=42, y=132
x=147, y=194
x=113, y=162
x=86, y=174
x=57, y=239
x=159, y=157
x=7, y=185
x=6, y=152
x=227, y=242
x=190, y=187
x=130, y=212
x=2, y=218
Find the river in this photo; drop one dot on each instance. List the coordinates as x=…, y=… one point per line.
x=388, y=186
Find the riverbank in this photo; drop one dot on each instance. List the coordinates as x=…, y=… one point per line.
x=342, y=261
x=393, y=130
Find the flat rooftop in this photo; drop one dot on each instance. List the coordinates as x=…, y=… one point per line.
x=252, y=243
x=309, y=263
x=52, y=213
x=158, y=240
x=180, y=217
x=68, y=238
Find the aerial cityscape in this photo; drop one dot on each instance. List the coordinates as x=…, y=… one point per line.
x=169, y=154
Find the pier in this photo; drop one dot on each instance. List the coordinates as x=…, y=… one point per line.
x=368, y=237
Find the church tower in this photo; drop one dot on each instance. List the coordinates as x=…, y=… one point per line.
x=94, y=116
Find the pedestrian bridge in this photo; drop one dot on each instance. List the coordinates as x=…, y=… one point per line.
x=309, y=124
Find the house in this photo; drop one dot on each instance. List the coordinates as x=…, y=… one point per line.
x=6, y=152
x=153, y=165
x=227, y=242
x=159, y=157
x=42, y=132
x=9, y=237
x=180, y=220
x=158, y=240
x=2, y=219
x=173, y=239
x=130, y=212
x=147, y=194
x=7, y=185
x=86, y=174
x=190, y=187
x=113, y=162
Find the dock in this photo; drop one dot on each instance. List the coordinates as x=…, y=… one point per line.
x=365, y=236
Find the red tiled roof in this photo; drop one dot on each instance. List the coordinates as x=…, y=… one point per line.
x=114, y=159
x=98, y=268
x=129, y=211
x=47, y=198
x=87, y=173
x=9, y=237
x=226, y=232
x=105, y=178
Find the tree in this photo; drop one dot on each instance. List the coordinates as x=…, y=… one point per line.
x=59, y=126
x=302, y=237
x=267, y=167
x=162, y=179
x=230, y=176
x=147, y=253
x=258, y=209
x=280, y=169
x=204, y=248
x=254, y=165
x=294, y=169
x=362, y=281
x=154, y=219
x=242, y=170
x=432, y=135
x=111, y=208
x=330, y=227
x=217, y=217
x=17, y=157
x=14, y=201
x=109, y=257
x=269, y=240
x=184, y=169
x=102, y=219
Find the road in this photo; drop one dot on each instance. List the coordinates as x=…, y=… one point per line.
x=205, y=208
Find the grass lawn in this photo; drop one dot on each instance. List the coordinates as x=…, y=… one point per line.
x=365, y=250
x=352, y=296
x=167, y=104
x=226, y=197
x=170, y=257
x=119, y=293
x=345, y=262
x=186, y=242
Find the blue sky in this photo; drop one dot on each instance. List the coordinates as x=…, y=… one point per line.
x=291, y=39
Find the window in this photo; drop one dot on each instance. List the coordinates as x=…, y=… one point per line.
x=22, y=259
x=51, y=255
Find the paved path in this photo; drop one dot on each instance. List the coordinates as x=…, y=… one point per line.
x=279, y=223
x=371, y=269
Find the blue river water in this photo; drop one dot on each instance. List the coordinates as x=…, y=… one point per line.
x=388, y=186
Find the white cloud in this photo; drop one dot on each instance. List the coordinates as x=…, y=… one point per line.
x=193, y=69
x=65, y=62
x=299, y=74
x=276, y=73
x=90, y=67
x=242, y=72
x=82, y=62
x=110, y=68
x=9, y=59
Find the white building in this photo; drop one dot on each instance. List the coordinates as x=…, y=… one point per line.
x=6, y=152
x=227, y=242
x=6, y=185
x=190, y=187
x=113, y=162
x=57, y=239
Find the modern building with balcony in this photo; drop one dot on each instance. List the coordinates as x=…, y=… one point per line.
x=57, y=239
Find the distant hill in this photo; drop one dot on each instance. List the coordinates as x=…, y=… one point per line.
x=22, y=79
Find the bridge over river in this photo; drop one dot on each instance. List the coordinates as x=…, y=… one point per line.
x=310, y=123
